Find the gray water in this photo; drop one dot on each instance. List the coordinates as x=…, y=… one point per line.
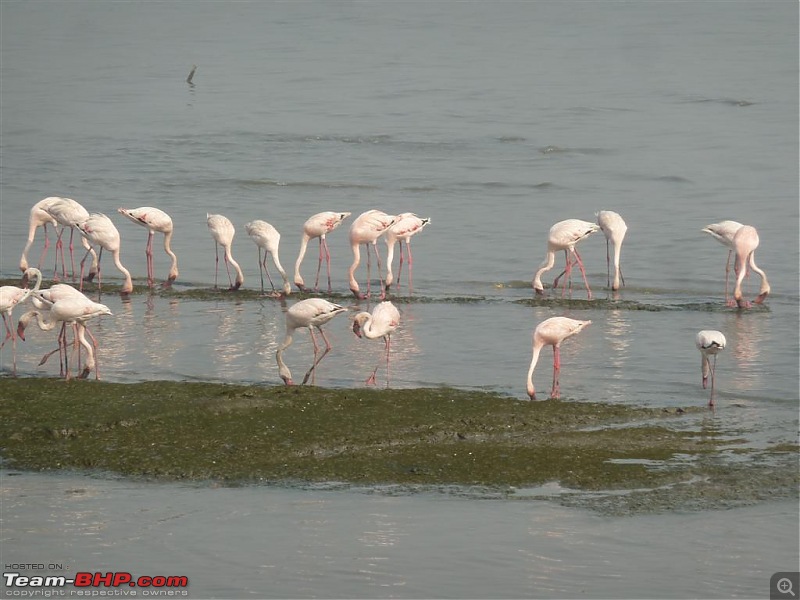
x=495, y=120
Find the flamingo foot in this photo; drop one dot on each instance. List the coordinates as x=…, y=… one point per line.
x=761, y=298
x=741, y=303
x=358, y=294
x=167, y=285
x=371, y=380
x=539, y=291
x=730, y=303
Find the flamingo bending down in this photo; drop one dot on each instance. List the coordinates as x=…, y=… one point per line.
x=723, y=232
x=318, y=226
x=222, y=230
x=407, y=225
x=71, y=309
x=70, y=214
x=39, y=217
x=366, y=229
x=154, y=219
x=100, y=230
x=381, y=323
x=710, y=343
x=745, y=243
x=551, y=332
x=267, y=238
x=564, y=235
x=11, y=296
x=311, y=313
x=614, y=228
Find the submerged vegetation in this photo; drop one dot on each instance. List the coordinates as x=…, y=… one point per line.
x=420, y=439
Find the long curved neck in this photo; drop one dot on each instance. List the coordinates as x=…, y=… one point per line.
x=128, y=282
x=367, y=330
x=537, y=348
x=546, y=265
x=390, y=243
x=298, y=262
x=168, y=249
x=283, y=370
x=356, y=260
x=764, y=283
x=229, y=257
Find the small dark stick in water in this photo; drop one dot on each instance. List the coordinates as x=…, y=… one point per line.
x=191, y=74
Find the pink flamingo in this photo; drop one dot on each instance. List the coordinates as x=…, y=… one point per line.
x=72, y=309
x=723, y=232
x=155, y=220
x=407, y=225
x=10, y=297
x=745, y=243
x=267, y=238
x=317, y=226
x=614, y=228
x=551, y=332
x=99, y=229
x=366, y=229
x=310, y=313
x=222, y=231
x=710, y=343
x=380, y=324
x=564, y=235
x=70, y=214
x=39, y=217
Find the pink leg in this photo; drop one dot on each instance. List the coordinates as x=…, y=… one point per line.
x=583, y=272
x=556, y=370
x=149, y=254
x=10, y=334
x=380, y=276
x=712, y=369
x=317, y=360
x=216, y=263
x=72, y=253
x=328, y=263
x=59, y=248
x=46, y=246
x=319, y=263
x=228, y=269
x=410, y=267
x=266, y=270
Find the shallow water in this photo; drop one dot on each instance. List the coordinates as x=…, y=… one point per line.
x=494, y=122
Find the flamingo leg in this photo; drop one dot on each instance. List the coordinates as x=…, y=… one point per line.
x=46, y=246
x=319, y=264
x=83, y=262
x=583, y=272
x=99, y=279
x=314, y=364
x=410, y=267
x=728, y=300
x=216, y=263
x=260, y=272
x=149, y=254
x=59, y=247
x=712, y=369
x=608, y=264
x=380, y=277
x=266, y=270
x=228, y=269
x=72, y=252
x=328, y=263
x=317, y=360
x=556, y=371
x=10, y=334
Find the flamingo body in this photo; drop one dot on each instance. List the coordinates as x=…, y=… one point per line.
x=70, y=214
x=98, y=229
x=564, y=235
x=724, y=232
x=311, y=313
x=614, y=228
x=552, y=332
x=39, y=217
x=381, y=323
x=155, y=221
x=222, y=230
x=407, y=225
x=317, y=226
x=10, y=297
x=267, y=238
x=745, y=242
x=710, y=343
x=366, y=229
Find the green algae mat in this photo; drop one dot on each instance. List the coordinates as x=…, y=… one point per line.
x=421, y=438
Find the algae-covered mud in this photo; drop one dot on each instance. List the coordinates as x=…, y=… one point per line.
x=610, y=456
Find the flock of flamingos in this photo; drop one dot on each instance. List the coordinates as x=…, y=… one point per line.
x=64, y=304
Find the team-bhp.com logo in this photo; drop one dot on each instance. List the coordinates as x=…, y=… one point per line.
x=88, y=584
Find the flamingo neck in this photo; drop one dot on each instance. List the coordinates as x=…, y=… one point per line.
x=546, y=265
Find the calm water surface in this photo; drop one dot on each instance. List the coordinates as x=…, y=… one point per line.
x=494, y=120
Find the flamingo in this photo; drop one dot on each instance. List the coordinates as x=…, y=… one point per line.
x=614, y=228
x=381, y=323
x=73, y=309
x=564, y=235
x=551, y=332
x=366, y=229
x=318, y=226
x=723, y=232
x=39, y=217
x=100, y=230
x=266, y=237
x=311, y=313
x=710, y=343
x=154, y=219
x=222, y=230
x=745, y=243
x=407, y=225
x=11, y=296
x=70, y=214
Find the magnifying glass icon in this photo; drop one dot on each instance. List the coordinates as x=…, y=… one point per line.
x=784, y=586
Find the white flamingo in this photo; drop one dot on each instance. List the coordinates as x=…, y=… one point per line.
x=366, y=229
x=317, y=226
x=564, y=235
x=382, y=323
x=10, y=297
x=614, y=228
x=407, y=225
x=723, y=232
x=311, y=313
x=39, y=217
x=551, y=332
x=70, y=214
x=710, y=343
x=267, y=238
x=222, y=230
x=98, y=229
x=155, y=220
x=745, y=243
